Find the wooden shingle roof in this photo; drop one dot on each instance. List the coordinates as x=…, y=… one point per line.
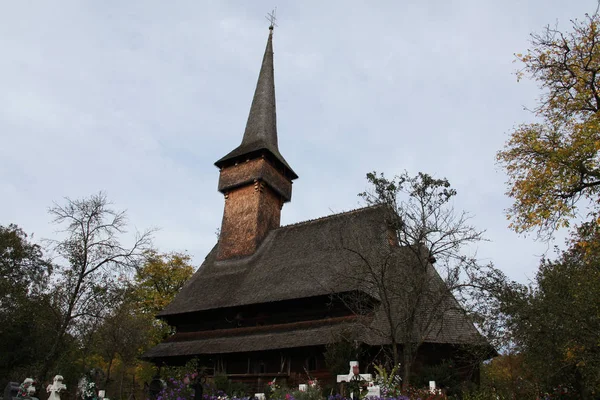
x=260, y=135
x=295, y=261
x=311, y=259
x=300, y=261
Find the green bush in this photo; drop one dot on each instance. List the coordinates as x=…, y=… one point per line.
x=233, y=389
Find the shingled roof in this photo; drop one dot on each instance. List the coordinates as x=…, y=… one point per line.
x=455, y=329
x=241, y=340
x=307, y=259
x=295, y=261
x=261, y=129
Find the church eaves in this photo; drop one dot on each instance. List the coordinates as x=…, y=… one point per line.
x=260, y=136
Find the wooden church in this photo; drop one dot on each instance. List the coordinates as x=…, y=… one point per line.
x=268, y=298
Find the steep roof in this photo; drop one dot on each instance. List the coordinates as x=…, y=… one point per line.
x=295, y=261
x=311, y=333
x=453, y=330
x=261, y=129
x=312, y=258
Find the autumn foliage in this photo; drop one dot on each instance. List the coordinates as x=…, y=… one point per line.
x=553, y=163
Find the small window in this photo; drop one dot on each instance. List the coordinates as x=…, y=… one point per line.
x=261, y=368
x=311, y=363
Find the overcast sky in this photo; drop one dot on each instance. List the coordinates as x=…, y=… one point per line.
x=139, y=98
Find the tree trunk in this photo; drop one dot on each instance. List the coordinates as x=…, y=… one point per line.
x=133, y=388
x=62, y=331
x=407, y=364
x=580, y=386
x=395, y=353
x=49, y=360
x=122, y=378
x=112, y=357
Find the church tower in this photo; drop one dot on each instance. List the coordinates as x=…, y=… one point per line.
x=254, y=177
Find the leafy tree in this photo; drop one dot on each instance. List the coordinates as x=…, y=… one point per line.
x=160, y=278
x=157, y=282
x=22, y=264
x=553, y=164
x=428, y=275
x=120, y=339
x=93, y=260
x=509, y=378
x=344, y=348
x=556, y=323
x=24, y=273
x=131, y=328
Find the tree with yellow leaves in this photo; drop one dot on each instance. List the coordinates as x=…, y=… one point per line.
x=554, y=164
x=131, y=328
x=160, y=278
x=157, y=282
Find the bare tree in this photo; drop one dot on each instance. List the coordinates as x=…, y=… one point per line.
x=91, y=259
x=424, y=278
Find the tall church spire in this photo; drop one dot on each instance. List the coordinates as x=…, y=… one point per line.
x=262, y=121
x=255, y=178
x=261, y=129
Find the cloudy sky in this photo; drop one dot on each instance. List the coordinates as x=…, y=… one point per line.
x=139, y=98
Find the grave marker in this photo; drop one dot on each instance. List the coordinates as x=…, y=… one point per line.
x=56, y=387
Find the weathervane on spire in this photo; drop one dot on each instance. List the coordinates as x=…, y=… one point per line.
x=271, y=18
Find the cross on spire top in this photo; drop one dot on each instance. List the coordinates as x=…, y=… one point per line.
x=272, y=18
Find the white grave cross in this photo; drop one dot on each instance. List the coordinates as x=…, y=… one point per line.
x=55, y=388
x=372, y=390
x=347, y=378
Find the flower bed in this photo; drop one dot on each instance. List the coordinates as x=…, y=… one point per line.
x=182, y=389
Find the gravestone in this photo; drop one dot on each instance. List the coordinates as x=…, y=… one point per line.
x=25, y=390
x=354, y=376
x=373, y=390
x=433, y=389
x=56, y=387
x=352, y=373
x=11, y=390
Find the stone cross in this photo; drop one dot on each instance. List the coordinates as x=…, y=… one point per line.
x=372, y=390
x=353, y=367
x=55, y=388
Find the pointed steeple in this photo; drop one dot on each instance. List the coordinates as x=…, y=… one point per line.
x=255, y=179
x=260, y=136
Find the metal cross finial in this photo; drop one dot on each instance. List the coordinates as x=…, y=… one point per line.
x=271, y=18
